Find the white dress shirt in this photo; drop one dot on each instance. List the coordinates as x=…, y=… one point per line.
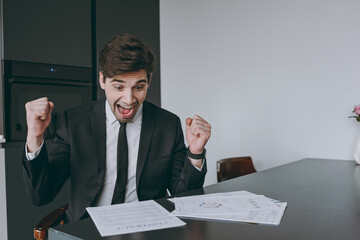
x=133, y=129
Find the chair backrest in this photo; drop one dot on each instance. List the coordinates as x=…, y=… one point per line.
x=234, y=167
x=54, y=218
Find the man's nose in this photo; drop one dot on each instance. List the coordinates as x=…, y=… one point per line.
x=128, y=96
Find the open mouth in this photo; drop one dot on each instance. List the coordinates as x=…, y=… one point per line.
x=126, y=111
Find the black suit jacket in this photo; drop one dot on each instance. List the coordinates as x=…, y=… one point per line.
x=79, y=152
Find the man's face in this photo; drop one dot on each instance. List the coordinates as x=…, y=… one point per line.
x=125, y=93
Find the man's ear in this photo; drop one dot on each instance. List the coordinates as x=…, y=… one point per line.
x=101, y=80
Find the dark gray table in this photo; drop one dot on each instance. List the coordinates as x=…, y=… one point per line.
x=323, y=199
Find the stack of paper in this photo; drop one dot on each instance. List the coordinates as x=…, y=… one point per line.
x=240, y=206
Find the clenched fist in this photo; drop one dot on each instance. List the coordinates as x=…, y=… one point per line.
x=198, y=132
x=38, y=118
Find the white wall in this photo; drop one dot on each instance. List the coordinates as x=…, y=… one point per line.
x=277, y=79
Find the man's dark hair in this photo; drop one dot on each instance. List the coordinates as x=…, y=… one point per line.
x=124, y=54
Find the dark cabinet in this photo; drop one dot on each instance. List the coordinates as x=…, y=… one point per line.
x=72, y=33
x=48, y=31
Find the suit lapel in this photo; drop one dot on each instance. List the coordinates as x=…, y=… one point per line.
x=98, y=126
x=147, y=129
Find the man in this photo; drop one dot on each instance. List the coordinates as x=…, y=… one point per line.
x=117, y=149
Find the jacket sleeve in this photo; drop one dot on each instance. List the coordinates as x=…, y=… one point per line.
x=45, y=175
x=184, y=175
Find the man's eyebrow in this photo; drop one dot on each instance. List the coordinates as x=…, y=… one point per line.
x=141, y=81
x=117, y=80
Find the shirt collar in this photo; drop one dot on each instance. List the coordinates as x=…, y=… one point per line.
x=110, y=117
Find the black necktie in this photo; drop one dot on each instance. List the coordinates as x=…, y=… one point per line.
x=122, y=166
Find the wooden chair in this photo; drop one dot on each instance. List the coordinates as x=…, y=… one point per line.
x=229, y=168
x=54, y=218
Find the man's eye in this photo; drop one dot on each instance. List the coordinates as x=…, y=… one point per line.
x=118, y=87
x=139, y=87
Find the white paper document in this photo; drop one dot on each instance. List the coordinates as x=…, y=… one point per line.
x=241, y=206
x=132, y=217
x=210, y=205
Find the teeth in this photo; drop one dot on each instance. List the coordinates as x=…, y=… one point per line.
x=125, y=107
